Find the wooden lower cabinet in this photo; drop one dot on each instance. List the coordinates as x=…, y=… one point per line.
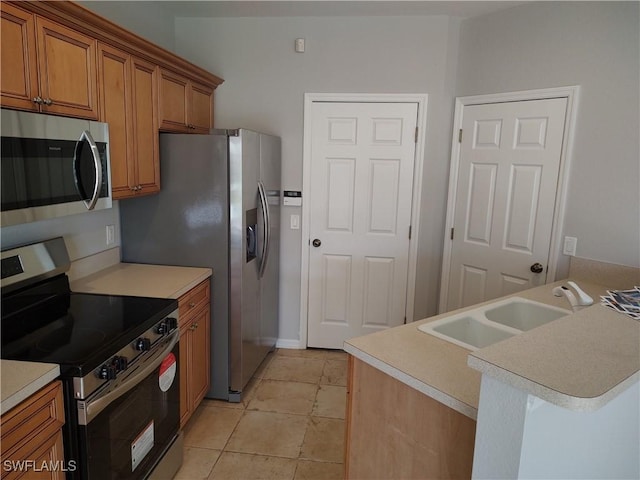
x=32, y=437
x=394, y=431
x=195, y=347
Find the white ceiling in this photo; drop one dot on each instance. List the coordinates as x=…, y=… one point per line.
x=328, y=8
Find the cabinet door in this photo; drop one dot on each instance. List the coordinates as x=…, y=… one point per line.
x=184, y=365
x=116, y=109
x=32, y=433
x=200, y=358
x=67, y=70
x=201, y=108
x=18, y=77
x=174, y=90
x=146, y=142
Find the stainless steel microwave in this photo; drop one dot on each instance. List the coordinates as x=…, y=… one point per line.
x=52, y=166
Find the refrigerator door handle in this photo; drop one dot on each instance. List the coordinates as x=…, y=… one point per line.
x=267, y=228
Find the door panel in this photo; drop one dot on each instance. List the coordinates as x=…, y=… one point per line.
x=505, y=200
x=337, y=288
x=60, y=51
x=19, y=73
x=362, y=170
x=378, y=285
x=145, y=98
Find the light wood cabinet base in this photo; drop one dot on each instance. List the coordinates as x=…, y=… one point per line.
x=195, y=331
x=32, y=437
x=396, y=432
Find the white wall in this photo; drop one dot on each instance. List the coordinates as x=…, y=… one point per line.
x=84, y=234
x=595, y=45
x=521, y=436
x=533, y=46
x=144, y=18
x=265, y=82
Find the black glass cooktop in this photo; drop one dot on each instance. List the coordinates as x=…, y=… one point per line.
x=75, y=330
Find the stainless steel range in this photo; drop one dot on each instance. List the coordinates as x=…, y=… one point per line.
x=118, y=360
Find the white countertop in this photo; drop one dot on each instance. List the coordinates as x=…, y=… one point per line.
x=141, y=280
x=580, y=362
x=604, y=348
x=20, y=380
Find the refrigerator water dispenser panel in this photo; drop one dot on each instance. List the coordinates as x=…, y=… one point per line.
x=251, y=220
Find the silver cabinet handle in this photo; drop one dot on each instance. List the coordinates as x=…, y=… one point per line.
x=267, y=228
x=97, y=163
x=38, y=100
x=47, y=101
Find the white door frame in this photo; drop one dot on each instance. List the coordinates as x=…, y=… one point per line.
x=571, y=93
x=309, y=99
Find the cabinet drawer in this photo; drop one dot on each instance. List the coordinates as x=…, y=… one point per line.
x=39, y=416
x=34, y=462
x=191, y=301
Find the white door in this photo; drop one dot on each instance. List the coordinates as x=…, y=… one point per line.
x=505, y=198
x=362, y=162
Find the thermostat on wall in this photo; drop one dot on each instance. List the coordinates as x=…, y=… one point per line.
x=292, y=198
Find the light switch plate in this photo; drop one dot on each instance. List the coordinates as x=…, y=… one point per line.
x=111, y=234
x=295, y=222
x=570, y=244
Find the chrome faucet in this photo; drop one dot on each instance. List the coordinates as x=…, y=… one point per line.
x=578, y=300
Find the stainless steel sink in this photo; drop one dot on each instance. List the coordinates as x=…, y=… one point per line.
x=492, y=323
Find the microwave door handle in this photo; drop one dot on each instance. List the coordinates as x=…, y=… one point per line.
x=97, y=164
x=267, y=228
x=88, y=410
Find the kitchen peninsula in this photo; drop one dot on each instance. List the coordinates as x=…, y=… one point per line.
x=429, y=399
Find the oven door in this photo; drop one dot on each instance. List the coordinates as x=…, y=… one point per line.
x=127, y=433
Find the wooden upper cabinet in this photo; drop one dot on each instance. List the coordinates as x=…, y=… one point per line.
x=146, y=145
x=47, y=67
x=116, y=109
x=19, y=65
x=201, y=107
x=67, y=70
x=185, y=106
x=128, y=98
x=60, y=58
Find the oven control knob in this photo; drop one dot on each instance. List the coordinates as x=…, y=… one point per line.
x=120, y=363
x=162, y=328
x=107, y=372
x=143, y=344
x=172, y=323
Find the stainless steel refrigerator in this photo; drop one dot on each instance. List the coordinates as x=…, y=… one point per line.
x=219, y=207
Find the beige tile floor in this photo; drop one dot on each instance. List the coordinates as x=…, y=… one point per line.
x=289, y=425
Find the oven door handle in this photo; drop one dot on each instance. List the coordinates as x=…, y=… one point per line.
x=88, y=410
